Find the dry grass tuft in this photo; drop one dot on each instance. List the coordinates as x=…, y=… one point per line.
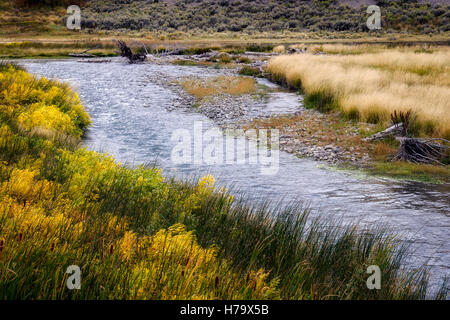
x=279, y=49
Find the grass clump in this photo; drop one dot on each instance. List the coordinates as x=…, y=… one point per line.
x=190, y=63
x=411, y=171
x=138, y=235
x=201, y=88
x=279, y=49
x=250, y=71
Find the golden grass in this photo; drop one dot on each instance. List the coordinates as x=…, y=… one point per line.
x=371, y=86
x=201, y=88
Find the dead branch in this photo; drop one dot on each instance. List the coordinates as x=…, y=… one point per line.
x=126, y=52
x=422, y=150
x=404, y=118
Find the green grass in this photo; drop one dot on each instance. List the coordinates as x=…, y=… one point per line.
x=411, y=171
x=321, y=100
x=250, y=71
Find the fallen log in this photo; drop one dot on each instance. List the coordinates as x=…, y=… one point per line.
x=427, y=151
x=259, y=54
x=95, y=61
x=81, y=55
x=395, y=130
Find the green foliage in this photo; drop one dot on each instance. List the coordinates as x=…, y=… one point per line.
x=320, y=100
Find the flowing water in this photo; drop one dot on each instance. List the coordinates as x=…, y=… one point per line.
x=131, y=122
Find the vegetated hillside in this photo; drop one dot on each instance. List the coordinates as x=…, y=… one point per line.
x=264, y=15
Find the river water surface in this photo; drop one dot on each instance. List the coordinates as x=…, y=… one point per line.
x=131, y=122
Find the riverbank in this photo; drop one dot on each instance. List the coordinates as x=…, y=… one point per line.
x=161, y=238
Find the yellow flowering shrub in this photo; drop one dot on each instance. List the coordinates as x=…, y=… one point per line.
x=173, y=266
x=48, y=117
x=205, y=186
x=41, y=102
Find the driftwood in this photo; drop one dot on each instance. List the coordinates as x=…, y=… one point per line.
x=395, y=130
x=174, y=52
x=95, y=61
x=403, y=118
x=81, y=55
x=422, y=150
x=412, y=149
x=259, y=54
x=126, y=52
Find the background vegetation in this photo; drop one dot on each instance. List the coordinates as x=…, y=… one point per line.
x=177, y=19
x=252, y=16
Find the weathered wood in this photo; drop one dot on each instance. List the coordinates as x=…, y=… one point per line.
x=126, y=52
x=96, y=61
x=260, y=54
x=395, y=130
x=421, y=150
x=81, y=55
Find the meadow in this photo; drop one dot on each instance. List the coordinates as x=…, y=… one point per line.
x=138, y=235
x=369, y=83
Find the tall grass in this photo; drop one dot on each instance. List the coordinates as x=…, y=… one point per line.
x=371, y=86
x=138, y=235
